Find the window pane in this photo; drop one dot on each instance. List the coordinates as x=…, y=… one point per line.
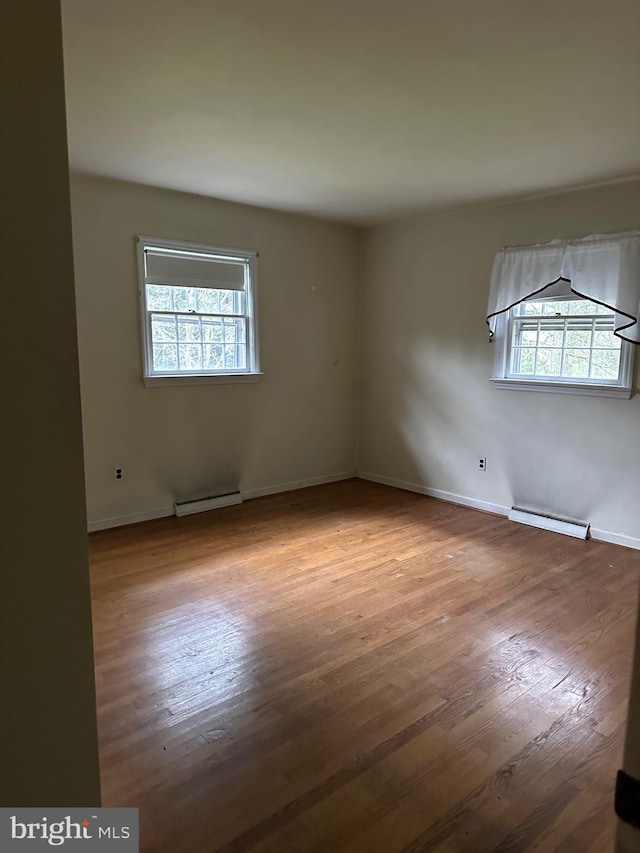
x=549, y=362
x=217, y=301
x=523, y=361
x=551, y=337
x=159, y=298
x=554, y=307
x=208, y=300
x=578, y=338
x=581, y=306
x=575, y=363
x=190, y=356
x=605, y=364
x=211, y=329
x=212, y=357
x=231, y=360
x=189, y=329
x=528, y=338
x=165, y=357
x=163, y=328
x=594, y=308
x=606, y=339
x=231, y=302
x=184, y=298
x=232, y=331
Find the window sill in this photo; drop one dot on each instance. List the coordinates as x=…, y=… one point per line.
x=201, y=379
x=589, y=390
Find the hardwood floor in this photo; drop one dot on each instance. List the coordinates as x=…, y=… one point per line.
x=356, y=668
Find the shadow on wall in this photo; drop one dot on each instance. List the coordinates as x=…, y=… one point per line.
x=450, y=418
x=558, y=452
x=184, y=462
x=437, y=413
x=435, y=418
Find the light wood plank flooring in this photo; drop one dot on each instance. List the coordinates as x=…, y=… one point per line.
x=356, y=668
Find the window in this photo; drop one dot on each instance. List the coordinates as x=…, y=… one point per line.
x=198, y=313
x=562, y=343
x=565, y=315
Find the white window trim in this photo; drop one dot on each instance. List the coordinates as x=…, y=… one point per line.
x=168, y=379
x=152, y=380
x=622, y=389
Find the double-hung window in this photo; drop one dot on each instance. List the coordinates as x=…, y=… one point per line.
x=198, y=312
x=565, y=344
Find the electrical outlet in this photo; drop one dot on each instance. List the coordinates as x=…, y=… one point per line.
x=118, y=473
x=482, y=463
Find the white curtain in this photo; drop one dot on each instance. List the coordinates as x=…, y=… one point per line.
x=604, y=268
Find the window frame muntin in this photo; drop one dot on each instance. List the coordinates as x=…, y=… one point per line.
x=250, y=258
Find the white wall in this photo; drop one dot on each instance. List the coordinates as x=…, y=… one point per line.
x=428, y=410
x=298, y=423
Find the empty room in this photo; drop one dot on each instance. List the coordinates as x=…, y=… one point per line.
x=323, y=505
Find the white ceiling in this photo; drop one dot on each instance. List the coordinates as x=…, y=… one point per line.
x=357, y=110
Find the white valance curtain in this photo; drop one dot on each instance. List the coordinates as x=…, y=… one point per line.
x=603, y=267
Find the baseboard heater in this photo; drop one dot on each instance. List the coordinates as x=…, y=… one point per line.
x=204, y=504
x=577, y=529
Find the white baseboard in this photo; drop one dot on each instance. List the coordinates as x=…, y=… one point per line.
x=165, y=511
x=450, y=497
x=132, y=518
x=487, y=506
x=297, y=484
x=615, y=538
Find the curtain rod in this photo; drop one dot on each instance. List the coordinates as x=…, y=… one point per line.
x=591, y=238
